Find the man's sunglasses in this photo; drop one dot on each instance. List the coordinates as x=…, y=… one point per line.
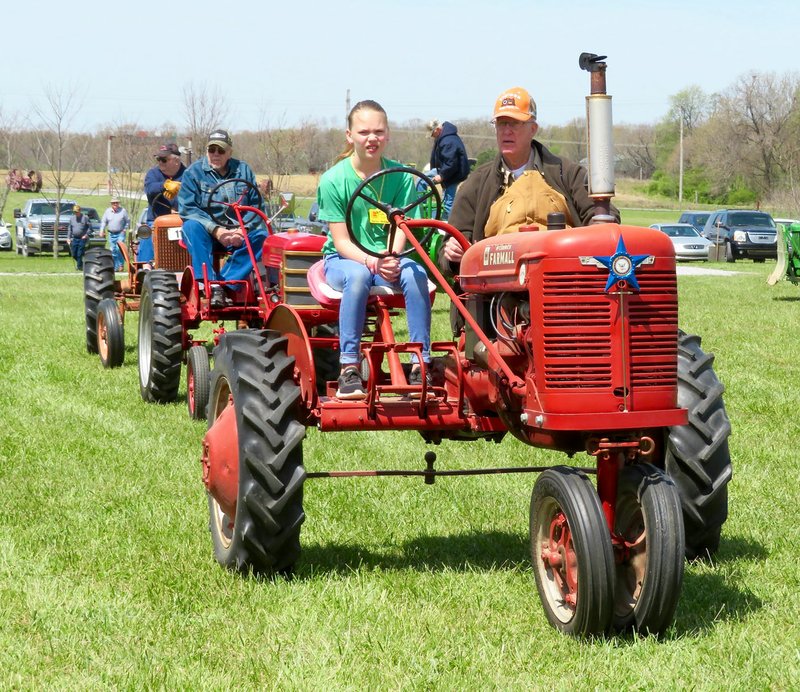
x=161, y=159
x=214, y=149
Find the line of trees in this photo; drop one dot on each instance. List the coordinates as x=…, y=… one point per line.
x=740, y=146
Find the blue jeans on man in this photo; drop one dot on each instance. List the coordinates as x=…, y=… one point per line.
x=114, y=239
x=77, y=248
x=354, y=281
x=201, y=247
x=448, y=193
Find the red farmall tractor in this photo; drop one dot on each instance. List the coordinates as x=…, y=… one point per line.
x=571, y=343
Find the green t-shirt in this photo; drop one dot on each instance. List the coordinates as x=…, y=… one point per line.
x=336, y=187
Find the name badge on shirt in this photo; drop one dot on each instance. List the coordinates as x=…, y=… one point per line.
x=378, y=216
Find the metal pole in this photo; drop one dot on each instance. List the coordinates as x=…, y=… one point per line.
x=680, y=166
x=108, y=163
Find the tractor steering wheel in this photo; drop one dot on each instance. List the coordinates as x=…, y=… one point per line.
x=392, y=212
x=225, y=194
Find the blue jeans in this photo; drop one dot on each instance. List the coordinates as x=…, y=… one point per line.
x=76, y=250
x=116, y=253
x=146, y=251
x=448, y=194
x=201, y=246
x=354, y=281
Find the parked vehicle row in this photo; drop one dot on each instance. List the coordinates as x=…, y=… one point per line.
x=735, y=233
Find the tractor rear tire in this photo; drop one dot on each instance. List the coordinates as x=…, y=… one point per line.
x=160, y=338
x=573, y=561
x=650, y=566
x=98, y=283
x=253, y=369
x=110, y=334
x=198, y=378
x=697, y=455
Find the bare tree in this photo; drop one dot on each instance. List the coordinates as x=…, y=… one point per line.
x=637, y=144
x=753, y=132
x=8, y=132
x=204, y=110
x=54, y=142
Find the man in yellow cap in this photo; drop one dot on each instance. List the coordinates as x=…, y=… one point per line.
x=523, y=183
x=77, y=235
x=550, y=183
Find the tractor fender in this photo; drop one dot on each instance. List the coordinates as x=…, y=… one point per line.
x=286, y=320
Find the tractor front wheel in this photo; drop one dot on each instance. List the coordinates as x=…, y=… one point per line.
x=98, y=283
x=648, y=541
x=573, y=561
x=160, y=338
x=253, y=454
x=697, y=456
x=198, y=374
x=110, y=334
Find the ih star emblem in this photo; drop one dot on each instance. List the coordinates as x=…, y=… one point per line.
x=622, y=266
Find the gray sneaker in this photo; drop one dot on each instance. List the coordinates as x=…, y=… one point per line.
x=350, y=384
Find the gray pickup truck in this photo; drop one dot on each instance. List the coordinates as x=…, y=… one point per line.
x=35, y=222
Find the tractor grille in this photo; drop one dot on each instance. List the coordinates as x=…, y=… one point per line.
x=295, y=277
x=168, y=254
x=591, y=343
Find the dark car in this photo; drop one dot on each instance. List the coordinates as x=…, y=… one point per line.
x=745, y=234
x=696, y=218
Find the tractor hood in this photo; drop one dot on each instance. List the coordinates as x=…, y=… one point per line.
x=496, y=264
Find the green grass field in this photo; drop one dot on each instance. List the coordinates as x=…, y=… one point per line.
x=107, y=578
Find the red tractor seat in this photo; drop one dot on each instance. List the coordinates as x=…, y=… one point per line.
x=330, y=298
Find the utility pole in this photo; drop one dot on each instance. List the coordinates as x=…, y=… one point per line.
x=108, y=163
x=347, y=109
x=680, y=164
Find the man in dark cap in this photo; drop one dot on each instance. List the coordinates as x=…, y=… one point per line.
x=77, y=235
x=161, y=185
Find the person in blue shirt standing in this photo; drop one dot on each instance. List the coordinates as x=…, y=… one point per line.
x=117, y=221
x=449, y=162
x=161, y=186
x=201, y=233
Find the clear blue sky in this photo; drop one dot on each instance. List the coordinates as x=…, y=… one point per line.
x=279, y=62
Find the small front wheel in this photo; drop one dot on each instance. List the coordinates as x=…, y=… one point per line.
x=198, y=377
x=649, y=544
x=573, y=562
x=110, y=334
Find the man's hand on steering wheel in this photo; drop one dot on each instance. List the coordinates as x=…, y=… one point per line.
x=452, y=250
